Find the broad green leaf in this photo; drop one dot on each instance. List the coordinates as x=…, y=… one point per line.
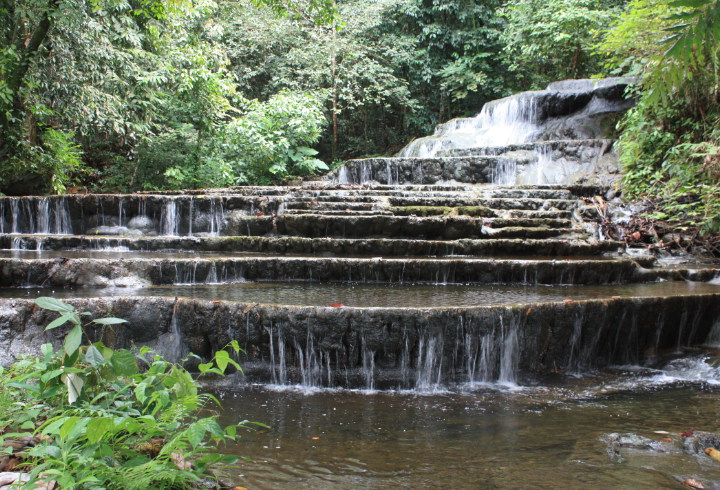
x=94, y=357
x=67, y=426
x=72, y=340
x=124, y=363
x=98, y=427
x=222, y=358
x=61, y=320
x=53, y=304
x=51, y=375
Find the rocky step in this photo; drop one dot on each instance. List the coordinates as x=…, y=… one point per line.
x=400, y=170
x=431, y=227
x=497, y=203
x=507, y=342
x=143, y=272
x=341, y=212
x=587, y=149
x=478, y=191
x=162, y=215
x=373, y=247
x=321, y=206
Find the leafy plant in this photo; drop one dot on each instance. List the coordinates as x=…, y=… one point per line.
x=108, y=418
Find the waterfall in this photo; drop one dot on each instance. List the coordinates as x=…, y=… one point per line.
x=35, y=215
x=343, y=176
x=504, y=171
x=217, y=215
x=170, y=221
x=503, y=122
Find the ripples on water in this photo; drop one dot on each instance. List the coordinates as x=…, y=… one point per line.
x=482, y=436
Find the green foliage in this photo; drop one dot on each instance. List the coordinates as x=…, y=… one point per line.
x=453, y=65
x=269, y=142
x=105, y=418
x=553, y=40
x=670, y=142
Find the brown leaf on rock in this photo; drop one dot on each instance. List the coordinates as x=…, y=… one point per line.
x=693, y=483
x=713, y=453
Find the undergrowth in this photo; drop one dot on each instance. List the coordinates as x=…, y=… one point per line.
x=90, y=417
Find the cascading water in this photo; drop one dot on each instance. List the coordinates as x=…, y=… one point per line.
x=170, y=222
x=35, y=215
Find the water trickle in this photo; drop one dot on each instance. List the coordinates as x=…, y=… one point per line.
x=430, y=363
x=343, y=176
x=170, y=222
x=510, y=354
x=368, y=365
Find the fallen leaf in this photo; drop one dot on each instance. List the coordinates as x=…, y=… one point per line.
x=248, y=308
x=528, y=311
x=667, y=439
x=693, y=483
x=337, y=305
x=315, y=438
x=259, y=214
x=616, y=297
x=688, y=433
x=217, y=301
x=713, y=453
x=568, y=301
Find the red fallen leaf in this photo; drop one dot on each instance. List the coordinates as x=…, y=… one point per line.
x=259, y=214
x=528, y=311
x=636, y=236
x=217, y=301
x=568, y=301
x=337, y=305
x=688, y=433
x=667, y=439
x=693, y=483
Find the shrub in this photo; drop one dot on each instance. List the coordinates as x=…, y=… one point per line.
x=88, y=416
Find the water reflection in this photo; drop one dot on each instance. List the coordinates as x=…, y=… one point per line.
x=538, y=437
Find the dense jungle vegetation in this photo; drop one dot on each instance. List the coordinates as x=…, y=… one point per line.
x=122, y=95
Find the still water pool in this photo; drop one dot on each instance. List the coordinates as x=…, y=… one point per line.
x=544, y=436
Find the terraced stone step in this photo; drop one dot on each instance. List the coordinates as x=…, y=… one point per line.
x=454, y=342
x=203, y=215
x=584, y=149
x=372, y=195
x=429, y=228
x=318, y=206
x=401, y=170
x=340, y=212
x=373, y=247
x=143, y=272
x=496, y=203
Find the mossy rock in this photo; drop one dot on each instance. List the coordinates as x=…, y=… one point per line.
x=477, y=211
x=422, y=211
